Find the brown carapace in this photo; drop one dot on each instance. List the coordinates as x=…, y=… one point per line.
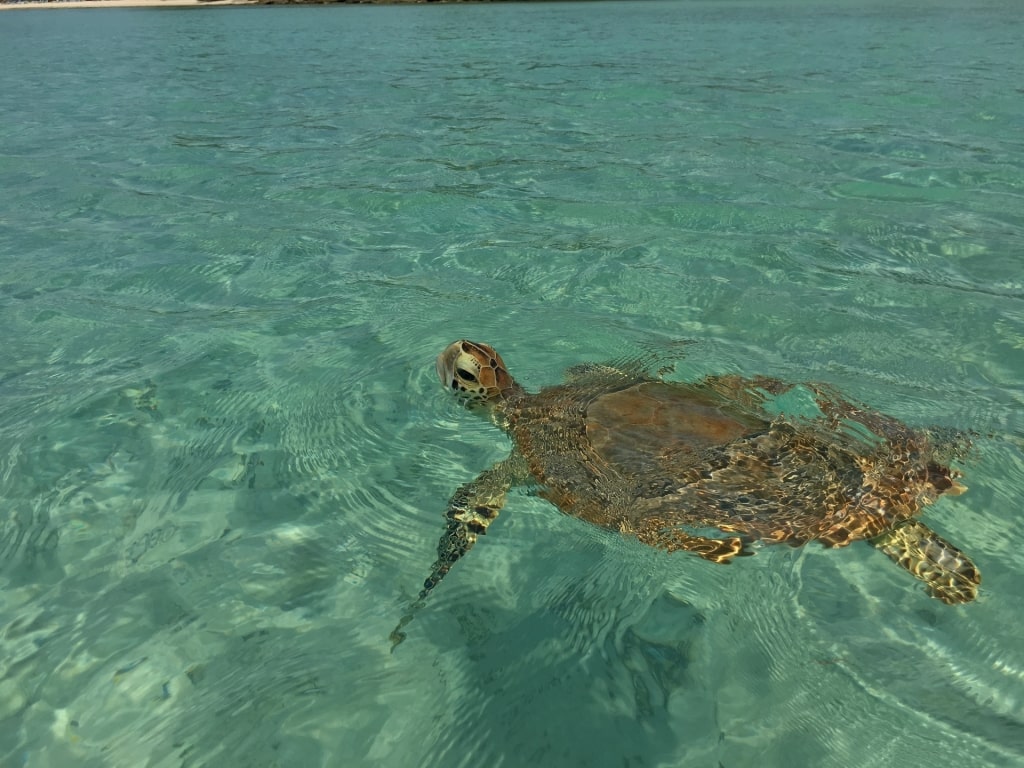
x=707, y=467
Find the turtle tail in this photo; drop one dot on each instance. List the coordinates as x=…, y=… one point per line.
x=949, y=573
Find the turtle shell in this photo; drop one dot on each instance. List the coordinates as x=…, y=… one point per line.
x=654, y=425
x=649, y=455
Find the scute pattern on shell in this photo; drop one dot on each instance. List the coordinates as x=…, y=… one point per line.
x=849, y=474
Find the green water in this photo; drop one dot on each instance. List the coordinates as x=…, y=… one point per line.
x=232, y=242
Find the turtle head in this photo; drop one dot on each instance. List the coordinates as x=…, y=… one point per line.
x=474, y=372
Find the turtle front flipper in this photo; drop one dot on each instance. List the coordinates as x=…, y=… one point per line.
x=948, y=572
x=472, y=508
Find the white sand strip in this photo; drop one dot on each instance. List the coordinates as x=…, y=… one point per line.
x=120, y=4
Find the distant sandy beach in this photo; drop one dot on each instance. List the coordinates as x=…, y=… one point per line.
x=121, y=4
x=8, y=6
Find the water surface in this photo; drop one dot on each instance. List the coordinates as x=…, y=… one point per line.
x=232, y=242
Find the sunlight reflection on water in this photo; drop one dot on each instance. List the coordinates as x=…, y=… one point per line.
x=224, y=457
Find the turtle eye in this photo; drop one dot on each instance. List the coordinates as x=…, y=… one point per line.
x=465, y=375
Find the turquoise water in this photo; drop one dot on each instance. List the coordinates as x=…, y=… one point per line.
x=232, y=243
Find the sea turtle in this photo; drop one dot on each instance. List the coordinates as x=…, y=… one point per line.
x=707, y=467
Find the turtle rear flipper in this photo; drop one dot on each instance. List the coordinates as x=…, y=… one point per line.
x=948, y=572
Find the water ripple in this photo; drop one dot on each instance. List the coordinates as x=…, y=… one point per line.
x=224, y=459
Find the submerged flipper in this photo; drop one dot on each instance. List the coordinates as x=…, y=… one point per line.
x=472, y=508
x=673, y=539
x=948, y=572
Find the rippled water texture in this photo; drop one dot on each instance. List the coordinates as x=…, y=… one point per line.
x=232, y=243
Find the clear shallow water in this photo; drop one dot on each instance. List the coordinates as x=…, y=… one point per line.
x=232, y=243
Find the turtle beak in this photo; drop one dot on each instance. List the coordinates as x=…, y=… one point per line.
x=443, y=366
x=447, y=367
